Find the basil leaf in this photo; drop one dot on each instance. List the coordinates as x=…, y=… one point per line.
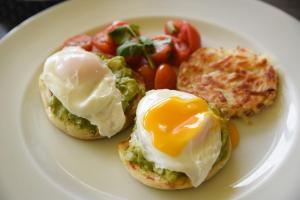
x=130, y=48
x=135, y=29
x=148, y=44
x=124, y=33
x=171, y=28
x=120, y=35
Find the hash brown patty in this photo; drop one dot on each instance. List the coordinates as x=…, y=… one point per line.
x=239, y=82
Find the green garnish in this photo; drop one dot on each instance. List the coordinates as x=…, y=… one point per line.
x=131, y=44
x=130, y=48
x=124, y=33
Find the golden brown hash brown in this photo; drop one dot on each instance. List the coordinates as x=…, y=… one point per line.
x=239, y=82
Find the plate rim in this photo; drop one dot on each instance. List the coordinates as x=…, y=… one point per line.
x=12, y=33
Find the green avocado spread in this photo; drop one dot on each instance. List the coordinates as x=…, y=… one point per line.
x=64, y=115
x=135, y=155
x=125, y=83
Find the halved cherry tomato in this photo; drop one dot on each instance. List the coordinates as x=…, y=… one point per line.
x=134, y=61
x=182, y=51
x=138, y=77
x=148, y=75
x=173, y=27
x=192, y=37
x=165, y=77
x=103, y=42
x=187, y=39
x=114, y=25
x=163, y=48
x=84, y=41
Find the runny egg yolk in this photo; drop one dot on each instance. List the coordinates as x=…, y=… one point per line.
x=174, y=122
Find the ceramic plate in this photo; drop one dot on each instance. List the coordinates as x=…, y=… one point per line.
x=39, y=162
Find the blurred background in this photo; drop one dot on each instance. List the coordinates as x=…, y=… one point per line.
x=13, y=12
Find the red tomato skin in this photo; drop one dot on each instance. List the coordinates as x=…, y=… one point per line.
x=114, y=25
x=181, y=52
x=134, y=61
x=194, y=39
x=84, y=41
x=104, y=43
x=186, y=40
x=148, y=75
x=177, y=24
x=162, y=55
x=165, y=77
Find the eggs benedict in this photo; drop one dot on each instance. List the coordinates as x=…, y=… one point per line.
x=178, y=141
x=88, y=97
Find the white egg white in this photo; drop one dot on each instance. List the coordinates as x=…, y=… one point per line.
x=86, y=87
x=197, y=158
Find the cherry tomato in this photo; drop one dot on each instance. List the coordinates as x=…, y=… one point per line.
x=104, y=43
x=172, y=27
x=83, y=41
x=114, y=25
x=185, y=37
x=181, y=50
x=134, y=61
x=148, y=75
x=165, y=77
x=138, y=77
x=163, y=49
x=192, y=37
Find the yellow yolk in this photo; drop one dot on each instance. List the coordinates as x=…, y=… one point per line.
x=174, y=122
x=234, y=134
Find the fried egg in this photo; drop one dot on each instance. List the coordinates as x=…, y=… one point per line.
x=177, y=131
x=86, y=87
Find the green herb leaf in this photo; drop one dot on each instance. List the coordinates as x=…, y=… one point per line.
x=148, y=44
x=124, y=33
x=132, y=45
x=134, y=29
x=130, y=48
x=148, y=48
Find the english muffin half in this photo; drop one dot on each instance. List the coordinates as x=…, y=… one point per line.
x=89, y=97
x=180, y=181
x=178, y=141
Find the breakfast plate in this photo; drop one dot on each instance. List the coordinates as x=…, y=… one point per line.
x=38, y=161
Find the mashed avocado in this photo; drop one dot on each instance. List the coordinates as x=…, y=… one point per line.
x=63, y=114
x=225, y=140
x=134, y=154
x=125, y=82
x=224, y=135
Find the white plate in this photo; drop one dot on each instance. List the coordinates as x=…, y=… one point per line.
x=39, y=162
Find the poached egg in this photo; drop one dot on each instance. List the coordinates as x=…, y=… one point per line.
x=177, y=131
x=86, y=87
